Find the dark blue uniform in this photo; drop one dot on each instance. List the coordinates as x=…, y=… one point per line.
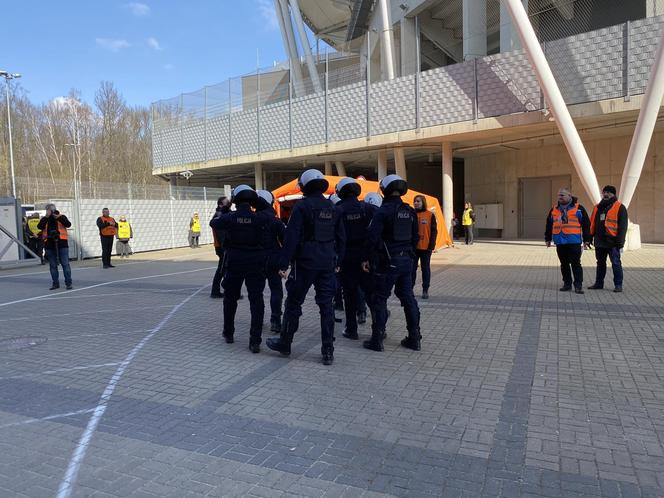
x=391, y=242
x=218, y=236
x=355, y=216
x=273, y=240
x=314, y=243
x=244, y=262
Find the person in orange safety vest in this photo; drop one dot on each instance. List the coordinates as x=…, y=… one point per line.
x=608, y=225
x=108, y=229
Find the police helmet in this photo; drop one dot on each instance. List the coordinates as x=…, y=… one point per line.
x=374, y=199
x=243, y=193
x=312, y=181
x=393, y=183
x=348, y=186
x=335, y=199
x=265, y=199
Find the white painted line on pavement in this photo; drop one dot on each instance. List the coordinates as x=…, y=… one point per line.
x=50, y=417
x=55, y=297
x=61, y=370
x=78, y=289
x=80, y=313
x=69, y=479
x=96, y=266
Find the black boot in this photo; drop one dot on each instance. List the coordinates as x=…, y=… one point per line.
x=228, y=337
x=362, y=317
x=412, y=341
x=279, y=344
x=565, y=288
x=254, y=347
x=596, y=286
x=425, y=293
x=376, y=341
x=350, y=335
x=275, y=325
x=328, y=355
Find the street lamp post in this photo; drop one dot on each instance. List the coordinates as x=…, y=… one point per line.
x=10, y=76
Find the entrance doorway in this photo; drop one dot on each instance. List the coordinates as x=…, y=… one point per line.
x=536, y=196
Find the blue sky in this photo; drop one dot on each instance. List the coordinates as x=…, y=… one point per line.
x=150, y=50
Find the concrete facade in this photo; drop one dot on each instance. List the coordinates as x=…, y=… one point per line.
x=494, y=178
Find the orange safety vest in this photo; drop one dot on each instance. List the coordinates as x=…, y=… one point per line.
x=611, y=221
x=571, y=227
x=109, y=231
x=424, y=228
x=62, y=231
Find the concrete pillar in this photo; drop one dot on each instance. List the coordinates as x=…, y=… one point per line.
x=408, y=46
x=258, y=175
x=382, y=164
x=509, y=38
x=474, y=29
x=328, y=168
x=400, y=162
x=341, y=169
x=448, y=185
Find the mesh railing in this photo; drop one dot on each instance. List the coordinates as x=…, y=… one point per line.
x=470, y=68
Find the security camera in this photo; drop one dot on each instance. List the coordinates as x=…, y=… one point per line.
x=186, y=174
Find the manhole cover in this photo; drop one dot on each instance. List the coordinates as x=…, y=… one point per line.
x=18, y=343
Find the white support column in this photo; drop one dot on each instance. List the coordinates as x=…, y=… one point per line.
x=408, y=46
x=258, y=175
x=474, y=29
x=341, y=169
x=328, y=168
x=291, y=46
x=448, y=186
x=654, y=8
x=382, y=164
x=554, y=98
x=645, y=125
x=400, y=162
x=386, y=40
x=509, y=39
x=304, y=41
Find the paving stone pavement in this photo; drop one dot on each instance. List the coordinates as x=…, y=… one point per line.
x=520, y=390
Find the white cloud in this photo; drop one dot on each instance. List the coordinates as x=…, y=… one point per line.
x=169, y=67
x=138, y=9
x=112, y=44
x=153, y=43
x=268, y=15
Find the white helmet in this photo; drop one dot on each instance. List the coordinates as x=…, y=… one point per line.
x=335, y=199
x=243, y=193
x=266, y=195
x=348, y=186
x=374, y=199
x=312, y=181
x=393, y=183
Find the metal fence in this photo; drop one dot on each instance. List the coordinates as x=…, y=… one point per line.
x=266, y=111
x=159, y=214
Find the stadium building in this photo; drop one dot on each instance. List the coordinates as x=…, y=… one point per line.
x=443, y=93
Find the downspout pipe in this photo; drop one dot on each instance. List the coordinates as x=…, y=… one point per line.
x=645, y=125
x=304, y=41
x=387, y=38
x=561, y=114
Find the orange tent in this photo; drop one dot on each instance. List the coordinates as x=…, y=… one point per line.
x=291, y=192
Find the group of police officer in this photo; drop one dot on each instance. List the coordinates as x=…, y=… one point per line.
x=370, y=244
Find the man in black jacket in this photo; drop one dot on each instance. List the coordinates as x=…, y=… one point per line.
x=608, y=224
x=223, y=207
x=54, y=231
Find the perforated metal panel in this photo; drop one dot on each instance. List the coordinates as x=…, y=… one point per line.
x=446, y=94
x=274, y=127
x=507, y=84
x=308, y=118
x=244, y=130
x=392, y=105
x=644, y=36
x=193, y=142
x=347, y=111
x=218, y=138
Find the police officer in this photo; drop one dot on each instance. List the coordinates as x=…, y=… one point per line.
x=245, y=262
x=223, y=207
x=273, y=240
x=314, y=244
x=338, y=295
x=391, y=242
x=355, y=217
x=372, y=201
